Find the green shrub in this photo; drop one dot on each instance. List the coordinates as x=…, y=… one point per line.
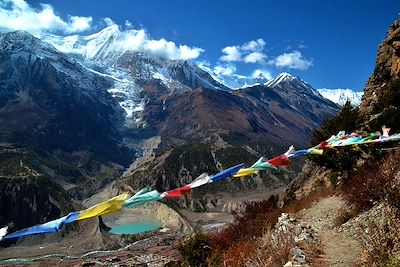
x=196, y=249
x=347, y=120
x=340, y=159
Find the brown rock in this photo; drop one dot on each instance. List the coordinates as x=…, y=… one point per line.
x=387, y=68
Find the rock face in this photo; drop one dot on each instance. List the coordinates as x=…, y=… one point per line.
x=36, y=196
x=51, y=100
x=58, y=127
x=286, y=110
x=387, y=68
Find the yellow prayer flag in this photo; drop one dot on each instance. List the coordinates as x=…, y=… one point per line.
x=316, y=151
x=112, y=205
x=245, y=172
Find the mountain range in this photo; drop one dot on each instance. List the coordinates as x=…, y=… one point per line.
x=76, y=119
x=340, y=96
x=108, y=46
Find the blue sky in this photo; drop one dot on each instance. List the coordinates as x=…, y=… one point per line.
x=331, y=43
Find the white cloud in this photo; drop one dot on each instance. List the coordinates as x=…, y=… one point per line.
x=261, y=73
x=250, y=52
x=139, y=40
x=254, y=57
x=254, y=45
x=162, y=47
x=80, y=24
x=232, y=53
x=292, y=60
x=19, y=15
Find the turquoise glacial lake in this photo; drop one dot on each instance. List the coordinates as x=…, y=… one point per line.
x=137, y=227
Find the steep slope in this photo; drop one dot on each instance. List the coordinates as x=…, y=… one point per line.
x=365, y=181
x=177, y=74
x=55, y=102
x=59, y=132
x=387, y=69
x=284, y=113
x=221, y=129
x=297, y=108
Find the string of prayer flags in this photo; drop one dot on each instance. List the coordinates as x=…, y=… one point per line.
x=227, y=173
x=142, y=197
x=178, y=192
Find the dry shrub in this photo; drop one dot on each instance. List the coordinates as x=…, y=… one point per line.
x=258, y=217
x=275, y=250
x=374, y=182
x=238, y=252
x=239, y=240
x=381, y=240
x=315, y=254
x=377, y=182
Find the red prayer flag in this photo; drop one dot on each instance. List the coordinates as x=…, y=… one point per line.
x=323, y=145
x=281, y=160
x=178, y=192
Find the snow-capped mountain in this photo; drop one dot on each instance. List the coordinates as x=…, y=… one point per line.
x=296, y=95
x=113, y=48
x=140, y=81
x=55, y=101
x=285, y=81
x=109, y=54
x=340, y=96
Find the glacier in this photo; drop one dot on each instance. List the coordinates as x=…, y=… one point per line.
x=340, y=96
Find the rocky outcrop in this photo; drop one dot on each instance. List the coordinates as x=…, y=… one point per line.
x=387, y=68
x=29, y=200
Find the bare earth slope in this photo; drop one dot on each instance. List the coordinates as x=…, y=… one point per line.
x=340, y=248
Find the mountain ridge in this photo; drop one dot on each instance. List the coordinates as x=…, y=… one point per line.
x=340, y=96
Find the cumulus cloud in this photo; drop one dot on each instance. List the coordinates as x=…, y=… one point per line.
x=140, y=40
x=254, y=45
x=292, y=60
x=219, y=70
x=254, y=57
x=232, y=53
x=250, y=52
x=19, y=15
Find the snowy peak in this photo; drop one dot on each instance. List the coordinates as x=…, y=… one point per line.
x=340, y=96
x=286, y=81
x=283, y=77
x=106, y=44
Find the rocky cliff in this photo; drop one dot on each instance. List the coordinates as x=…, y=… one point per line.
x=387, y=69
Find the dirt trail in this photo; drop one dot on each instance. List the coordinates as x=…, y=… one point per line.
x=340, y=249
